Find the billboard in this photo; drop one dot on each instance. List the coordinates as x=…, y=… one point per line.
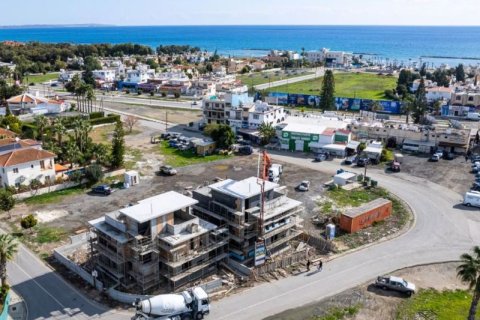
x=350, y=104
x=260, y=252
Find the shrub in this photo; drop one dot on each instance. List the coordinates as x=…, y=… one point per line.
x=152, y=93
x=127, y=91
x=176, y=95
x=108, y=119
x=94, y=173
x=164, y=94
x=97, y=115
x=28, y=222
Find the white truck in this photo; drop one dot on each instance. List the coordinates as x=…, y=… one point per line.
x=275, y=172
x=188, y=305
x=473, y=116
x=472, y=198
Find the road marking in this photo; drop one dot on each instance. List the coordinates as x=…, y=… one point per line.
x=40, y=286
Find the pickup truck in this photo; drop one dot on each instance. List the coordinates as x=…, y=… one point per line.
x=395, y=284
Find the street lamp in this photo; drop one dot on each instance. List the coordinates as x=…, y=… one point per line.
x=94, y=275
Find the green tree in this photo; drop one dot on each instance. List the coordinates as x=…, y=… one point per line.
x=222, y=134
x=469, y=272
x=7, y=201
x=437, y=106
x=94, y=173
x=423, y=70
x=419, y=105
x=267, y=132
x=460, y=73
x=118, y=146
x=72, y=153
x=59, y=130
x=8, y=249
x=41, y=122
x=28, y=222
x=327, y=96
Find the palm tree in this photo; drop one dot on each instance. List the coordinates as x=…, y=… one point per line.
x=469, y=272
x=408, y=102
x=42, y=123
x=59, y=129
x=8, y=249
x=267, y=132
x=72, y=153
x=90, y=94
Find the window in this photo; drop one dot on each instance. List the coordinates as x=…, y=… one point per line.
x=15, y=170
x=256, y=116
x=47, y=179
x=42, y=164
x=458, y=98
x=31, y=166
x=17, y=184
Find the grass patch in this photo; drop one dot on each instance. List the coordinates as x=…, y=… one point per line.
x=357, y=197
x=54, y=196
x=339, y=313
x=347, y=85
x=133, y=156
x=101, y=134
x=46, y=234
x=179, y=158
x=40, y=78
x=256, y=78
x=432, y=304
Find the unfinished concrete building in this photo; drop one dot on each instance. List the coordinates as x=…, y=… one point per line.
x=237, y=204
x=156, y=242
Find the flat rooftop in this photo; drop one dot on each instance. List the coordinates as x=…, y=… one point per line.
x=242, y=189
x=357, y=211
x=175, y=239
x=107, y=229
x=157, y=206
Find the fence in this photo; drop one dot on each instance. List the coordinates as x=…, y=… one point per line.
x=61, y=255
x=56, y=187
x=6, y=303
x=319, y=243
x=284, y=262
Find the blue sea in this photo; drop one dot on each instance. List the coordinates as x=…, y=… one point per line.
x=404, y=44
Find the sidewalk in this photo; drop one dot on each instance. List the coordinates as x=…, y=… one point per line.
x=17, y=309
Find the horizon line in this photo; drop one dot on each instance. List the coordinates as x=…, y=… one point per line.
x=92, y=25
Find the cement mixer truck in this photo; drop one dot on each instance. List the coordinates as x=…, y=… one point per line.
x=188, y=305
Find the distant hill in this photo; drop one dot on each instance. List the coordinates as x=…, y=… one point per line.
x=43, y=26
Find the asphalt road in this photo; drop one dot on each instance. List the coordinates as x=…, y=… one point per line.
x=317, y=74
x=443, y=230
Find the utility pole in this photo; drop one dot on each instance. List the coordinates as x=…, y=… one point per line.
x=166, y=121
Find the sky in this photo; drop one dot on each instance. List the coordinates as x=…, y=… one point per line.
x=245, y=12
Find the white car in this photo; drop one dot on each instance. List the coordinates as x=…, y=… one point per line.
x=304, y=186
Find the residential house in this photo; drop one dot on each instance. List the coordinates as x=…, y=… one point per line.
x=105, y=75
x=22, y=161
x=330, y=58
x=156, y=242
x=251, y=116
x=238, y=205
x=466, y=97
x=438, y=94
x=27, y=103
x=216, y=108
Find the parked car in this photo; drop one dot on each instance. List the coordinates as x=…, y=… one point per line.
x=102, y=189
x=362, y=162
x=349, y=160
x=303, y=186
x=168, y=170
x=448, y=156
x=472, y=198
x=395, y=166
x=246, y=150
x=434, y=158
x=395, y=284
x=475, y=186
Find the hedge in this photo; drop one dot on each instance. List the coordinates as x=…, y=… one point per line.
x=97, y=115
x=109, y=119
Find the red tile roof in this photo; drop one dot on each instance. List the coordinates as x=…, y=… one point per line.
x=24, y=156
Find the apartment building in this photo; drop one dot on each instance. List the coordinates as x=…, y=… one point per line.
x=157, y=242
x=415, y=138
x=251, y=116
x=105, y=75
x=216, y=108
x=237, y=204
x=466, y=97
x=330, y=58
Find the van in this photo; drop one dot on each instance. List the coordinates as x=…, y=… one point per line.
x=472, y=198
x=475, y=116
x=274, y=172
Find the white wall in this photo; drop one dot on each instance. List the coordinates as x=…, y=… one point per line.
x=29, y=171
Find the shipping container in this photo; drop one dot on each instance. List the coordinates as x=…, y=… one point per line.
x=355, y=219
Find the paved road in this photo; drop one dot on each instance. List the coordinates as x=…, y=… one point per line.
x=442, y=231
x=46, y=294
x=317, y=74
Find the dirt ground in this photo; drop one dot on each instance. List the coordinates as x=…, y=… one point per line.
x=75, y=211
x=180, y=116
x=375, y=303
x=453, y=174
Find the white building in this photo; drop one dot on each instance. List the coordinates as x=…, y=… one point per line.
x=216, y=108
x=438, y=93
x=27, y=103
x=251, y=116
x=330, y=58
x=22, y=161
x=139, y=76
x=106, y=75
